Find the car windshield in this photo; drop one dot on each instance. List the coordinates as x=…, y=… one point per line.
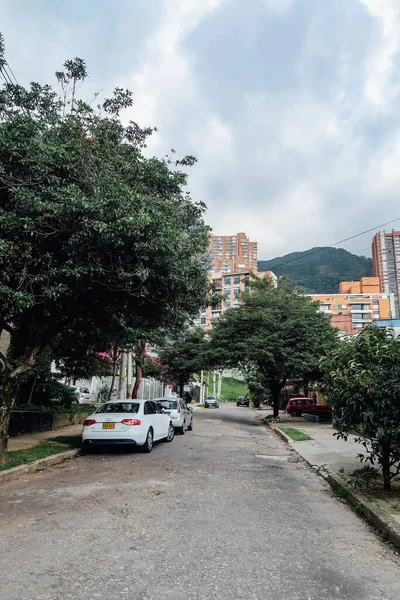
x=119, y=407
x=168, y=404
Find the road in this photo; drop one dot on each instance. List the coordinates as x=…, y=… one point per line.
x=224, y=512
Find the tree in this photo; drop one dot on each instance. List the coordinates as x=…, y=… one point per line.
x=275, y=334
x=362, y=384
x=183, y=355
x=93, y=234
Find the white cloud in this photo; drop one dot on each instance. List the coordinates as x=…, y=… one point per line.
x=278, y=5
x=380, y=89
x=297, y=130
x=164, y=83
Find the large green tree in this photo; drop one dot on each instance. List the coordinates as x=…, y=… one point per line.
x=182, y=355
x=93, y=235
x=362, y=384
x=274, y=335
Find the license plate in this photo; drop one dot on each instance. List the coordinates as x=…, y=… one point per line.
x=108, y=425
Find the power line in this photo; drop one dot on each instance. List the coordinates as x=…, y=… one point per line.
x=12, y=73
x=352, y=237
x=5, y=75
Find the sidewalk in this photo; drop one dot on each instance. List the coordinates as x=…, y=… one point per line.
x=324, y=450
x=29, y=440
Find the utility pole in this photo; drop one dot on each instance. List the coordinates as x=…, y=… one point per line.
x=201, y=399
x=219, y=384
x=129, y=369
x=214, y=383
x=122, y=377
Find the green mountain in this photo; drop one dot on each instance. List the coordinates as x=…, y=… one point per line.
x=319, y=270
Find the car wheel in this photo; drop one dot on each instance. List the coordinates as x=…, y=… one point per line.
x=171, y=434
x=148, y=445
x=190, y=428
x=292, y=414
x=237, y=403
x=86, y=448
x=182, y=430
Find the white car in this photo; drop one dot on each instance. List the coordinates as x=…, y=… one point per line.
x=82, y=393
x=131, y=422
x=181, y=415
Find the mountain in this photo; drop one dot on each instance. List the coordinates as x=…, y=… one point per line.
x=319, y=270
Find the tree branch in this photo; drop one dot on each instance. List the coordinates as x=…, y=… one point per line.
x=3, y=358
x=27, y=365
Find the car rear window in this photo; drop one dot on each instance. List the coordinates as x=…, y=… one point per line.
x=168, y=404
x=84, y=390
x=210, y=397
x=119, y=407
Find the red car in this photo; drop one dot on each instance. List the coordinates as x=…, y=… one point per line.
x=297, y=406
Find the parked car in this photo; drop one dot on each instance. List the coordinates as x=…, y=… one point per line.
x=211, y=401
x=130, y=422
x=82, y=394
x=181, y=415
x=297, y=406
x=242, y=401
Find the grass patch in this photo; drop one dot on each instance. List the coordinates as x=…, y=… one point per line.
x=28, y=455
x=341, y=492
x=232, y=388
x=295, y=434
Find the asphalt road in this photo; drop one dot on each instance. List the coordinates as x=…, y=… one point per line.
x=224, y=512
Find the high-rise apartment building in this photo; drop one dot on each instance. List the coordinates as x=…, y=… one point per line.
x=233, y=253
x=386, y=265
x=229, y=287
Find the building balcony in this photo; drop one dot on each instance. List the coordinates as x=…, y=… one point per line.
x=356, y=319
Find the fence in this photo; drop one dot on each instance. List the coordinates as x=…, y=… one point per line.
x=149, y=387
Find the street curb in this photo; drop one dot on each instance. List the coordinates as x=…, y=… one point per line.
x=375, y=515
x=37, y=465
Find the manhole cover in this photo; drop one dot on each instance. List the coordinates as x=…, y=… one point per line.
x=209, y=434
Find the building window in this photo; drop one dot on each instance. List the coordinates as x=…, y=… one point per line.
x=203, y=320
x=227, y=281
x=324, y=307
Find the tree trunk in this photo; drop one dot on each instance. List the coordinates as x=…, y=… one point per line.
x=138, y=369
x=7, y=396
x=138, y=381
x=385, y=462
x=32, y=388
x=181, y=386
x=306, y=387
x=275, y=391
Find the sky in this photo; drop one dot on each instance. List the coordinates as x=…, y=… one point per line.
x=290, y=106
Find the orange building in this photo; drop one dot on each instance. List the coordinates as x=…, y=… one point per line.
x=366, y=285
x=363, y=307
x=233, y=253
x=386, y=265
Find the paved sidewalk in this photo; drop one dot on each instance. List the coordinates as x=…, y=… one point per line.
x=30, y=440
x=325, y=449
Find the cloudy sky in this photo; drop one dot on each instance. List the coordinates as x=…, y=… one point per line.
x=291, y=106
